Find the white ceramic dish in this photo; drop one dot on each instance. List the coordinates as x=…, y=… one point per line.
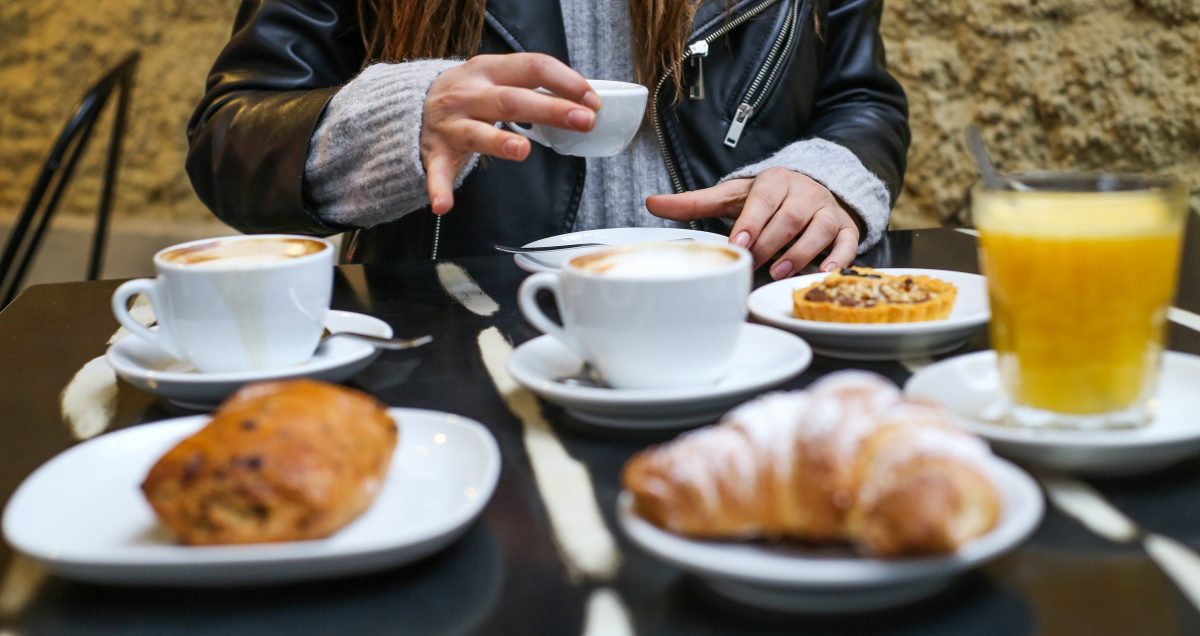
x=765, y=357
x=150, y=369
x=969, y=386
x=834, y=580
x=772, y=304
x=83, y=516
x=552, y=261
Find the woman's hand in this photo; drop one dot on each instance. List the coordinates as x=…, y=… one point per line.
x=465, y=102
x=772, y=210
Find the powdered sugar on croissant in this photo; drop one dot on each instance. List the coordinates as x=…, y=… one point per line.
x=847, y=459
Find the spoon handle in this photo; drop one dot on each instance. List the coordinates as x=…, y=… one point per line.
x=549, y=248
x=984, y=161
x=394, y=344
x=569, y=246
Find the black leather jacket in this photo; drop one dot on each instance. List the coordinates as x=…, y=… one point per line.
x=249, y=136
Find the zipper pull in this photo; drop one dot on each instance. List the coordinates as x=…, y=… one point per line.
x=737, y=125
x=699, y=51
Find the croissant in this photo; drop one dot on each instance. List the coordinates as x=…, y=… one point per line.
x=848, y=460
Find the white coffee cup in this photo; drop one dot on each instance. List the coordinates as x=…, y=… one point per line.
x=650, y=315
x=236, y=303
x=622, y=106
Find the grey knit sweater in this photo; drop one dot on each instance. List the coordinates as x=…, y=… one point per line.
x=364, y=165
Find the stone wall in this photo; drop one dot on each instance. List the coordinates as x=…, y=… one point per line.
x=1096, y=84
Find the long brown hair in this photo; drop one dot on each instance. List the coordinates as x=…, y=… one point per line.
x=416, y=29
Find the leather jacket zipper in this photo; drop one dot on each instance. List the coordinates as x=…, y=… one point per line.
x=696, y=49
x=765, y=79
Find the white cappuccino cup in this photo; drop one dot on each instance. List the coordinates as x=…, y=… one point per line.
x=650, y=315
x=622, y=106
x=237, y=303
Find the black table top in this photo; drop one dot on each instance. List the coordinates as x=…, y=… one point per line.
x=506, y=574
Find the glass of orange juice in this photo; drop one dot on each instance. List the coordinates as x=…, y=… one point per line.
x=1081, y=270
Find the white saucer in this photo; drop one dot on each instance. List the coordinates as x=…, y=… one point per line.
x=82, y=514
x=772, y=304
x=764, y=357
x=833, y=580
x=552, y=261
x=150, y=369
x=969, y=386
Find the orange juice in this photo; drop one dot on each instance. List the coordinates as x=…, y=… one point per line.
x=1080, y=283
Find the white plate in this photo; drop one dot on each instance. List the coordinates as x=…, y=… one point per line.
x=834, y=580
x=150, y=369
x=969, y=386
x=83, y=516
x=772, y=304
x=552, y=261
x=764, y=357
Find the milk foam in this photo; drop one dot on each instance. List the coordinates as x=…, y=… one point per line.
x=659, y=262
x=241, y=254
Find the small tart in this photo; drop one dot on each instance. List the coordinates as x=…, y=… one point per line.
x=862, y=294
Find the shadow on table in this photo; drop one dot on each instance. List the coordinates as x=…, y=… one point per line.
x=456, y=591
x=687, y=606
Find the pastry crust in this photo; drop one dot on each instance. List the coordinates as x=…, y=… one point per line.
x=866, y=295
x=280, y=461
x=848, y=460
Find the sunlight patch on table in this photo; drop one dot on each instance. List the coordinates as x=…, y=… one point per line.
x=462, y=288
x=141, y=311
x=915, y=364
x=90, y=399
x=1184, y=317
x=606, y=615
x=1082, y=503
x=21, y=582
x=1180, y=562
x=565, y=486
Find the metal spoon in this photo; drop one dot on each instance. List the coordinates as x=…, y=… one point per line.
x=586, y=376
x=988, y=169
x=394, y=344
x=554, y=248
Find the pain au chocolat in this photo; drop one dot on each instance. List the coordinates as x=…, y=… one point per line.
x=862, y=294
x=280, y=461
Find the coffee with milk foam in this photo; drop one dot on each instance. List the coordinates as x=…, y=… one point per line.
x=242, y=253
x=658, y=260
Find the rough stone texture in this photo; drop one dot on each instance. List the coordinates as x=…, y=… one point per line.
x=52, y=51
x=1081, y=84
x=1089, y=84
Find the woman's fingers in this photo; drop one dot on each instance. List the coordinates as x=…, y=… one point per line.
x=509, y=103
x=763, y=203
x=469, y=136
x=816, y=236
x=845, y=248
x=538, y=70
x=440, y=172
x=723, y=199
x=830, y=226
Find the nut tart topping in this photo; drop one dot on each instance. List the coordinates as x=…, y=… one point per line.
x=862, y=294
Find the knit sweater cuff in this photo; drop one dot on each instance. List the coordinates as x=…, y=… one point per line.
x=364, y=161
x=839, y=170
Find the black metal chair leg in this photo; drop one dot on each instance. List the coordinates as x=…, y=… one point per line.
x=22, y=246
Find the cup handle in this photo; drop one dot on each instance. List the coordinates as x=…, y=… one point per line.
x=120, y=306
x=527, y=299
x=533, y=132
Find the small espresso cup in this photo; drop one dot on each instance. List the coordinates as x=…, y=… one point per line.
x=236, y=303
x=622, y=106
x=650, y=315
